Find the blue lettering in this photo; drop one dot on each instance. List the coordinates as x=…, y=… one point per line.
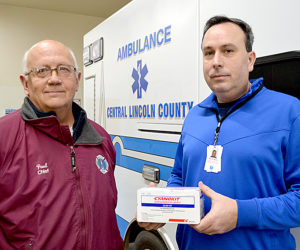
x=183, y=108
x=129, y=49
x=135, y=47
x=112, y=112
x=124, y=111
x=177, y=109
x=144, y=111
x=167, y=34
x=190, y=104
x=166, y=111
x=140, y=50
x=117, y=112
x=162, y=36
x=153, y=40
x=160, y=113
x=124, y=52
x=140, y=111
x=148, y=111
x=119, y=54
x=160, y=42
x=146, y=44
x=152, y=110
x=171, y=110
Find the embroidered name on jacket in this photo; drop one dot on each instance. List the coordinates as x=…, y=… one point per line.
x=42, y=169
x=102, y=164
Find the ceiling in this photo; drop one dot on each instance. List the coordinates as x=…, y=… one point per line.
x=97, y=8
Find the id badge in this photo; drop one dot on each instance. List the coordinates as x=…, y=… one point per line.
x=213, y=159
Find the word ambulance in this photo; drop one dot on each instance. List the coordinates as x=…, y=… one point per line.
x=158, y=38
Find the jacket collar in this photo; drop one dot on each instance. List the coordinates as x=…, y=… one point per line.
x=84, y=132
x=211, y=101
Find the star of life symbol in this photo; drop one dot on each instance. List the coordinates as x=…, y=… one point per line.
x=102, y=164
x=42, y=169
x=139, y=79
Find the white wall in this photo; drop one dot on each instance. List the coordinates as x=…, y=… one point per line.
x=20, y=28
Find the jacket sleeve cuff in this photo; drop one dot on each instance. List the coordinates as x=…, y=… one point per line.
x=247, y=213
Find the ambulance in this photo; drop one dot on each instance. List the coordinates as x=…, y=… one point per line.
x=143, y=73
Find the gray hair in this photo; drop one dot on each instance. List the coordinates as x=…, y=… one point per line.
x=25, y=58
x=242, y=24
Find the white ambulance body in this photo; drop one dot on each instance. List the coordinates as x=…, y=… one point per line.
x=143, y=73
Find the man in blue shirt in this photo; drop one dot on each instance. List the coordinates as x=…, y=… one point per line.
x=252, y=188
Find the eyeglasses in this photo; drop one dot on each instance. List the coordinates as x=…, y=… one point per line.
x=45, y=71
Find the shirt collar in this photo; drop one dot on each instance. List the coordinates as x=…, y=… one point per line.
x=211, y=100
x=78, y=113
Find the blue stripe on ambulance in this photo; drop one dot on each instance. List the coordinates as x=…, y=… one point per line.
x=122, y=224
x=161, y=148
x=137, y=165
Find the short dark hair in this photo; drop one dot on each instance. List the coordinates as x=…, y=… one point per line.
x=242, y=24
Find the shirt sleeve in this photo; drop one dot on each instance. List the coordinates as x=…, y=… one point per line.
x=176, y=175
x=282, y=211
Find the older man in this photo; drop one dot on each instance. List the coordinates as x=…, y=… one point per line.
x=56, y=166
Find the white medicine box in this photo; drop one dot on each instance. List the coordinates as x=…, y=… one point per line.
x=182, y=205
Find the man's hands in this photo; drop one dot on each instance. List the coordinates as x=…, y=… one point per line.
x=222, y=216
x=148, y=225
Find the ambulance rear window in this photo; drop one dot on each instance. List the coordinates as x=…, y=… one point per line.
x=281, y=72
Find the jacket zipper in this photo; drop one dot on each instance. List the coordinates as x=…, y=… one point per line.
x=73, y=159
x=77, y=178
